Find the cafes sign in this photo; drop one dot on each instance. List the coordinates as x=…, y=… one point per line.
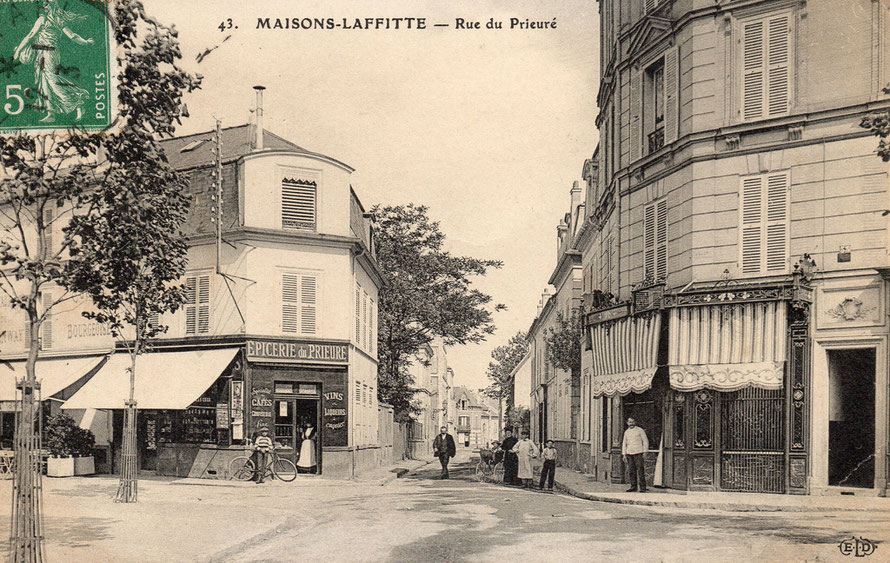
x=297, y=352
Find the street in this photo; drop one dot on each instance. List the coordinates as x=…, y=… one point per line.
x=417, y=518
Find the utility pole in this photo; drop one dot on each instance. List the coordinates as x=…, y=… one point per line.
x=216, y=212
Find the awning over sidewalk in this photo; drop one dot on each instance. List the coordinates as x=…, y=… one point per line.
x=164, y=380
x=727, y=347
x=625, y=353
x=54, y=375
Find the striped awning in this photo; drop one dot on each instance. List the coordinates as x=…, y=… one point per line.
x=625, y=353
x=727, y=347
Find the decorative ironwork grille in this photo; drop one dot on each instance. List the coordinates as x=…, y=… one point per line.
x=752, y=441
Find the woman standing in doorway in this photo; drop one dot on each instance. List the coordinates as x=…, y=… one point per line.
x=307, y=462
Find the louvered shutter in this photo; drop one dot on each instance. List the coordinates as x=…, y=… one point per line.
x=778, y=52
x=671, y=95
x=308, y=304
x=191, y=299
x=752, y=225
x=649, y=242
x=373, y=327
x=203, y=304
x=154, y=320
x=48, y=233
x=365, y=320
x=46, y=327
x=753, y=70
x=651, y=5
x=636, y=125
x=298, y=204
x=358, y=315
x=661, y=240
x=776, y=244
x=289, y=303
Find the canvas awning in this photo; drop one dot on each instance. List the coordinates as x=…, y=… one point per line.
x=164, y=380
x=54, y=375
x=727, y=347
x=625, y=354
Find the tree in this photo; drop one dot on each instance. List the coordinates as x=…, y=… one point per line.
x=500, y=371
x=879, y=125
x=428, y=295
x=564, y=343
x=127, y=249
x=46, y=181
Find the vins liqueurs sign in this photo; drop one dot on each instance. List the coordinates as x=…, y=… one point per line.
x=56, y=72
x=297, y=352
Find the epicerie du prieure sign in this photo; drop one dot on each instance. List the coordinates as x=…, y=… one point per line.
x=56, y=70
x=297, y=352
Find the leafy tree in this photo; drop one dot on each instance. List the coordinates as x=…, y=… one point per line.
x=564, y=343
x=49, y=179
x=518, y=417
x=127, y=249
x=500, y=370
x=879, y=125
x=428, y=295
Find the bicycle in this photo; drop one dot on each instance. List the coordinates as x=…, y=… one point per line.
x=490, y=467
x=242, y=468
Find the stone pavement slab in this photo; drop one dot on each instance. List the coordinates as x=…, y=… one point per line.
x=584, y=486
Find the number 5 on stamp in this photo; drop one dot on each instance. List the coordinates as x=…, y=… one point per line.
x=56, y=70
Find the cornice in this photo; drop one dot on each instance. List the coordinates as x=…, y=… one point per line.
x=567, y=259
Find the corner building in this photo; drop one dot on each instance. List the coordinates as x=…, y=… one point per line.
x=736, y=267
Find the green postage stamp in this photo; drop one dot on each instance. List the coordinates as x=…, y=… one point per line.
x=56, y=70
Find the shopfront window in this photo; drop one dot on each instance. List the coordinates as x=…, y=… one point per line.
x=645, y=409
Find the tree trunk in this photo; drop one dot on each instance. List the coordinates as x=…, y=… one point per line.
x=26, y=534
x=127, y=490
x=500, y=419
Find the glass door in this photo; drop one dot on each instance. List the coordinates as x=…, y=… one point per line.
x=285, y=425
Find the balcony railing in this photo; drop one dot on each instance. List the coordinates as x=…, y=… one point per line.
x=656, y=140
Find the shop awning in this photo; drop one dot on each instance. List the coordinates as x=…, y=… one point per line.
x=54, y=375
x=727, y=347
x=164, y=380
x=625, y=354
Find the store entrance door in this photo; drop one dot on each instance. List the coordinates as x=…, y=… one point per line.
x=293, y=419
x=851, y=422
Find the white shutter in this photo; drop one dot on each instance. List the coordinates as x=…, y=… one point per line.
x=308, y=304
x=661, y=240
x=671, y=95
x=778, y=52
x=289, y=303
x=203, y=304
x=649, y=242
x=46, y=327
x=358, y=315
x=298, y=204
x=753, y=70
x=153, y=320
x=751, y=225
x=191, y=298
x=197, y=305
x=776, y=222
x=636, y=125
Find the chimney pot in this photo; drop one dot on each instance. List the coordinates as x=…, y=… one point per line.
x=258, y=130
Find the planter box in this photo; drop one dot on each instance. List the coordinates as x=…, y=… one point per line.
x=84, y=465
x=60, y=467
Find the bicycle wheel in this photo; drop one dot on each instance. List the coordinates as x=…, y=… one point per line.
x=241, y=468
x=480, y=472
x=284, y=469
x=497, y=473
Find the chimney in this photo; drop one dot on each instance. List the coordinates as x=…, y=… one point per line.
x=258, y=129
x=575, y=195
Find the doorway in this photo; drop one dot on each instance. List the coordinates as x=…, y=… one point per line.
x=293, y=416
x=851, y=417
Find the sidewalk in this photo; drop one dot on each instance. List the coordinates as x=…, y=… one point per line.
x=584, y=486
x=388, y=473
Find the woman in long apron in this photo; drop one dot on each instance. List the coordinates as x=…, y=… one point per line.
x=308, y=462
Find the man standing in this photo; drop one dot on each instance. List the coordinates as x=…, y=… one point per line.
x=444, y=449
x=263, y=446
x=511, y=460
x=634, y=445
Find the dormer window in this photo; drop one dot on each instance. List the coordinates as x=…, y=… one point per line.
x=299, y=203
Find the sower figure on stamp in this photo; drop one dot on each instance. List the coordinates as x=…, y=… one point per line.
x=444, y=449
x=634, y=445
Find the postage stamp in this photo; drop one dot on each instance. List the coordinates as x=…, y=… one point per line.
x=56, y=70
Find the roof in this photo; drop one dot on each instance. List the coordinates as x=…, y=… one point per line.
x=472, y=399
x=195, y=150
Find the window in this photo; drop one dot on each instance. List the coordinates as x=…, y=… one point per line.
x=655, y=241
x=765, y=61
x=654, y=105
x=197, y=304
x=299, y=296
x=358, y=392
x=763, y=227
x=358, y=314
x=604, y=424
x=463, y=421
x=298, y=203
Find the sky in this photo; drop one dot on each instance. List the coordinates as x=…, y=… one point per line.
x=486, y=127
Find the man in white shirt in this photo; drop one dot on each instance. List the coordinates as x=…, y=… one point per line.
x=634, y=445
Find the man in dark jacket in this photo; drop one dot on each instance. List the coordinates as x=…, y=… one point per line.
x=444, y=449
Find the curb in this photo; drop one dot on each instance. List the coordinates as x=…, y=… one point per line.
x=725, y=506
x=400, y=472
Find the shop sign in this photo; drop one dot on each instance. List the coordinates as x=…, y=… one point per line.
x=261, y=406
x=334, y=418
x=609, y=314
x=237, y=410
x=297, y=352
x=222, y=415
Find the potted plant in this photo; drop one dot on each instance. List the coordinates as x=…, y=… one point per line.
x=70, y=447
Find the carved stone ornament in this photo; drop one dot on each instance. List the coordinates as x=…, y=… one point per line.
x=849, y=309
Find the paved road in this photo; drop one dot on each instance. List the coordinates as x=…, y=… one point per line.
x=421, y=518
x=418, y=518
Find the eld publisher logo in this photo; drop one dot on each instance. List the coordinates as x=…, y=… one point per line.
x=857, y=547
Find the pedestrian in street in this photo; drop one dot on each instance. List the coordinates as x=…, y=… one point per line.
x=633, y=446
x=548, y=471
x=525, y=450
x=511, y=462
x=444, y=448
x=262, y=448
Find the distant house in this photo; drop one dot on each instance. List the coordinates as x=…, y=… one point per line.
x=477, y=421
